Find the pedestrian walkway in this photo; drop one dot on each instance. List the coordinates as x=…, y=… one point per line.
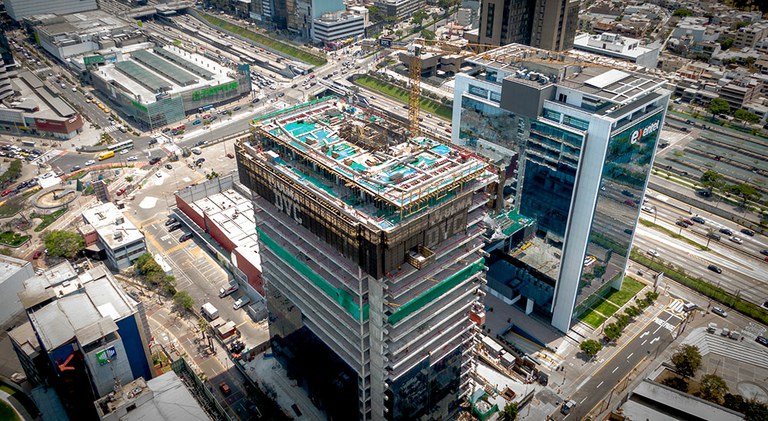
x=676, y=306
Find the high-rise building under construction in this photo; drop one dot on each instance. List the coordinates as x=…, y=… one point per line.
x=371, y=244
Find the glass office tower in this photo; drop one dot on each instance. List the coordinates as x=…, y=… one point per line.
x=584, y=137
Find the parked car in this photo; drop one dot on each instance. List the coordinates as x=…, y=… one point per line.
x=196, y=122
x=241, y=302
x=715, y=268
x=224, y=291
x=225, y=389
x=186, y=236
x=37, y=254
x=720, y=311
x=155, y=160
x=174, y=227
x=169, y=166
x=170, y=221
x=6, y=192
x=120, y=191
x=199, y=161
x=230, y=155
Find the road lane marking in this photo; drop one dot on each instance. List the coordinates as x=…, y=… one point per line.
x=614, y=370
x=644, y=342
x=630, y=355
x=601, y=383
x=582, y=401
x=644, y=334
x=654, y=340
x=584, y=382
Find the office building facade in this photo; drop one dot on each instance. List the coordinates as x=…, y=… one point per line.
x=547, y=24
x=582, y=144
x=371, y=265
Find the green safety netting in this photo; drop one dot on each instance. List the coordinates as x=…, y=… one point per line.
x=436, y=291
x=345, y=299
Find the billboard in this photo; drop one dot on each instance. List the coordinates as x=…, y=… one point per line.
x=106, y=355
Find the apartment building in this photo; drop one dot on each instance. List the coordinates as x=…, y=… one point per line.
x=372, y=258
x=548, y=24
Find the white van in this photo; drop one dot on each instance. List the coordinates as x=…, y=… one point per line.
x=211, y=312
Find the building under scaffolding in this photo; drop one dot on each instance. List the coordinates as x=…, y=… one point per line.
x=371, y=245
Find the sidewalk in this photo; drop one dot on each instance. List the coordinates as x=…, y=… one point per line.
x=586, y=369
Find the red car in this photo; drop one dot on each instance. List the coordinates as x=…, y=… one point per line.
x=37, y=254
x=230, y=155
x=6, y=192
x=225, y=389
x=120, y=191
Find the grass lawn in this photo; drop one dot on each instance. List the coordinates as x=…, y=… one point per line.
x=593, y=319
x=629, y=288
x=12, y=206
x=605, y=308
x=7, y=412
x=13, y=239
x=49, y=219
x=401, y=95
x=288, y=49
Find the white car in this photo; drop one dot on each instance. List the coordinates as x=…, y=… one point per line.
x=653, y=253
x=647, y=209
x=132, y=158
x=737, y=240
x=90, y=162
x=241, y=302
x=124, y=151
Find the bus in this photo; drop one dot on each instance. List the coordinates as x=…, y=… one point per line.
x=106, y=155
x=206, y=108
x=128, y=144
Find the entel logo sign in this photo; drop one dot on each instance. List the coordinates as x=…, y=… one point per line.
x=639, y=133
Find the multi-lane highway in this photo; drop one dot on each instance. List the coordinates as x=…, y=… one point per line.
x=744, y=270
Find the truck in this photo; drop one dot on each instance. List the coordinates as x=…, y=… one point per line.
x=210, y=312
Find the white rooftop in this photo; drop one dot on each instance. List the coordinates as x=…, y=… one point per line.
x=110, y=73
x=89, y=310
x=112, y=225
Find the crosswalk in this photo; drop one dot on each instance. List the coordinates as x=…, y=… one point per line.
x=676, y=306
x=42, y=159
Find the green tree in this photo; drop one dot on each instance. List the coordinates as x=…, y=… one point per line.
x=427, y=34
x=63, y=244
x=682, y=12
x=211, y=175
x=687, y=361
x=713, y=388
x=632, y=311
x=734, y=402
x=744, y=191
x=5, y=251
x=712, y=180
x=651, y=296
x=755, y=410
x=183, y=300
x=718, y=106
x=510, y=412
x=591, y=347
x=727, y=43
x=746, y=117
x=676, y=382
x=612, y=332
x=418, y=17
